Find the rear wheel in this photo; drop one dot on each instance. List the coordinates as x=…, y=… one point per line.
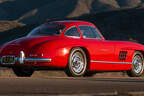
x=89, y=73
x=23, y=71
x=137, y=65
x=77, y=63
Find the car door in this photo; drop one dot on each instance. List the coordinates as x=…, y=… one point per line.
x=101, y=51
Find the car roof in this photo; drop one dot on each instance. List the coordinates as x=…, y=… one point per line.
x=72, y=22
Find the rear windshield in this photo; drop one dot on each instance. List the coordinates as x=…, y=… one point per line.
x=47, y=29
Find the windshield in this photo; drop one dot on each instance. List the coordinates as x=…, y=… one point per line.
x=47, y=29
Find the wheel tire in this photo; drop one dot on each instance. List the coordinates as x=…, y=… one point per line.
x=23, y=71
x=89, y=74
x=137, y=65
x=77, y=63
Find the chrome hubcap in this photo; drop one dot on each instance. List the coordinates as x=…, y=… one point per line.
x=137, y=64
x=77, y=62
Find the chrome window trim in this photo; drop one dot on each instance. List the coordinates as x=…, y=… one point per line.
x=73, y=36
x=111, y=62
x=90, y=38
x=70, y=28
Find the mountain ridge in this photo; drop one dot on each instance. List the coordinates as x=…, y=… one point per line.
x=31, y=11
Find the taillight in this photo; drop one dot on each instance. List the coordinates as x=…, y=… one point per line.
x=36, y=55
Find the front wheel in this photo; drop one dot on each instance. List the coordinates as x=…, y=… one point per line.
x=23, y=71
x=77, y=63
x=137, y=65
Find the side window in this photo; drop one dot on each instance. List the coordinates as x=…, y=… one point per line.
x=89, y=32
x=73, y=31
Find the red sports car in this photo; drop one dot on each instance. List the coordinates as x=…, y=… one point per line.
x=75, y=46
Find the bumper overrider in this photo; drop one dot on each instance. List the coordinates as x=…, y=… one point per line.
x=22, y=59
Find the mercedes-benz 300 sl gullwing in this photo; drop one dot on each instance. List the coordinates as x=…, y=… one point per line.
x=77, y=47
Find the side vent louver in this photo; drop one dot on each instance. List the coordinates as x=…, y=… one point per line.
x=122, y=55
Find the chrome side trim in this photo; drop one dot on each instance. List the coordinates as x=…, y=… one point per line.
x=37, y=60
x=110, y=62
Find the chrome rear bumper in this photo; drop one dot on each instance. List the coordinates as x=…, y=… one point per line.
x=37, y=60
x=24, y=60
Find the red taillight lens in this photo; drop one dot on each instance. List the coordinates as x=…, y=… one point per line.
x=36, y=55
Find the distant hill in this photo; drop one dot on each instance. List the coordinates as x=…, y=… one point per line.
x=124, y=25
x=31, y=11
x=116, y=19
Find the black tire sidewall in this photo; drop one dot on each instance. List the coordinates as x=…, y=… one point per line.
x=132, y=72
x=21, y=72
x=71, y=71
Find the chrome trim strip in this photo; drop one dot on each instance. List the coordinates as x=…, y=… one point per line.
x=37, y=60
x=110, y=62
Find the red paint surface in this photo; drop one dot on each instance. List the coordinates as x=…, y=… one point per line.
x=53, y=47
